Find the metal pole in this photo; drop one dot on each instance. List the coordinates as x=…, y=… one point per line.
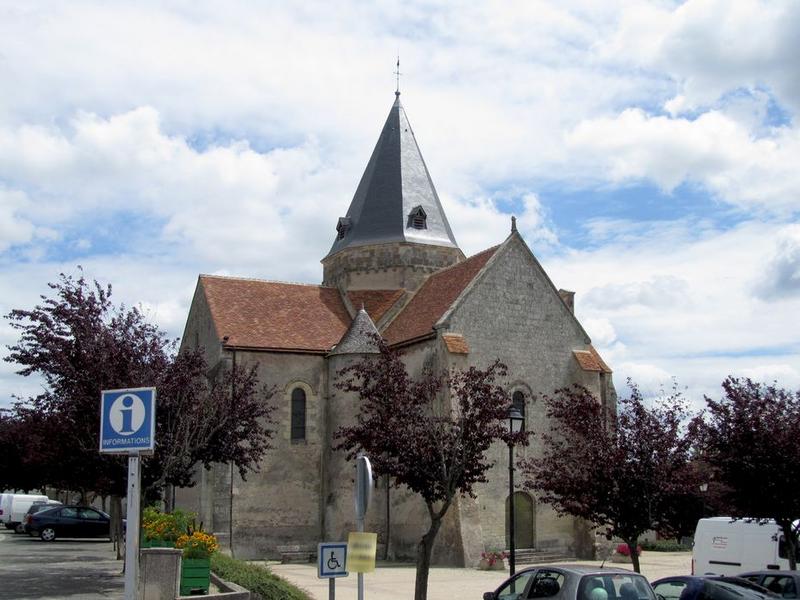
x=331, y=589
x=512, y=555
x=132, y=532
x=230, y=511
x=360, y=528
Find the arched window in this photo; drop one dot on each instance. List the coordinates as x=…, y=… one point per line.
x=518, y=399
x=298, y=414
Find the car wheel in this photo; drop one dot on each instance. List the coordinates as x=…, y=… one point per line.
x=20, y=528
x=48, y=534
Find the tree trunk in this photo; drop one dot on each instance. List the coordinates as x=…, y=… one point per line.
x=424, y=550
x=632, y=545
x=116, y=525
x=790, y=541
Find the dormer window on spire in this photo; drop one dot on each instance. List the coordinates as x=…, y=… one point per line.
x=342, y=227
x=417, y=219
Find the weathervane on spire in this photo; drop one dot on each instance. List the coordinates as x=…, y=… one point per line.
x=397, y=73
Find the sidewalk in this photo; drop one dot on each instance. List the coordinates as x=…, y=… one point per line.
x=392, y=581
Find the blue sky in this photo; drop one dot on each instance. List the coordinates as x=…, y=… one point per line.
x=649, y=150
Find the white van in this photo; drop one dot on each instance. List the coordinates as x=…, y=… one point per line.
x=18, y=506
x=5, y=508
x=726, y=547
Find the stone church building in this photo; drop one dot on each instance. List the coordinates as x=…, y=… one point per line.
x=395, y=268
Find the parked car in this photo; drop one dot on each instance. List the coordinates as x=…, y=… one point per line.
x=709, y=587
x=785, y=584
x=69, y=522
x=573, y=582
x=35, y=508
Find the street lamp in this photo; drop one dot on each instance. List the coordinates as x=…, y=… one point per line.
x=703, y=490
x=514, y=426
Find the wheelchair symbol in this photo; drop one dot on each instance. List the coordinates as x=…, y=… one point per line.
x=333, y=562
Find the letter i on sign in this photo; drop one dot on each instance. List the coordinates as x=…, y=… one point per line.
x=127, y=415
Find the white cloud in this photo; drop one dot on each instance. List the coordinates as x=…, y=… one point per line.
x=14, y=229
x=163, y=142
x=710, y=47
x=713, y=150
x=781, y=277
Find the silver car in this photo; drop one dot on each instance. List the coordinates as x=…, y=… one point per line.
x=573, y=582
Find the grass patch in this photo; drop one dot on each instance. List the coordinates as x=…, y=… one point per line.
x=262, y=583
x=665, y=546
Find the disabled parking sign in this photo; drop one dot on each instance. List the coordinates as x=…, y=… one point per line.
x=332, y=560
x=127, y=420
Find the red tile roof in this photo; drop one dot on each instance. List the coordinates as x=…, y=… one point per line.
x=280, y=316
x=433, y=298
x=589, y=360
x=456, y=344
x=376, y=302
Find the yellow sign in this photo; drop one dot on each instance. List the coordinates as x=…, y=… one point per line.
x=361, y=550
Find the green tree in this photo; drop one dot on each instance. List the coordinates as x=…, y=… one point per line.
x=436, y=445
x=624, y=472
x=750, y=439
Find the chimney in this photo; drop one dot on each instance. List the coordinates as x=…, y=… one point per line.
x=568, y=298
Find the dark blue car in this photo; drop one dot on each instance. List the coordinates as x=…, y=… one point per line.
x=69, y=522
x=709, y=587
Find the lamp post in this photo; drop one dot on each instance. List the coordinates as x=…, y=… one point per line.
x=514, y=426
x=703, y=490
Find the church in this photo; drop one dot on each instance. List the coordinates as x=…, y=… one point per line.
x=394, y=268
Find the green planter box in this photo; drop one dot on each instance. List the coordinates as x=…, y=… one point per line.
x=195, y=575
x=156, y=543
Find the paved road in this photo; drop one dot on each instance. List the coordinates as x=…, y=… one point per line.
x=393, y=582
x=71, y=569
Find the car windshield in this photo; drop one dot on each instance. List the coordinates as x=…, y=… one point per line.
x=615, y=586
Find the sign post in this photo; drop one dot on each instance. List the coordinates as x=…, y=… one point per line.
x=363, y=497
x=127, y=426
x=332, y=563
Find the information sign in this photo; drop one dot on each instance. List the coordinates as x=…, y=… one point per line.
x=127, y=420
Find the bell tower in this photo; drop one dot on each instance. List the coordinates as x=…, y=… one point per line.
x=395, y=232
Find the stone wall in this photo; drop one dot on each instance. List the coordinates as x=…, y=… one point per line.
x=514, y=313
x=386, y=266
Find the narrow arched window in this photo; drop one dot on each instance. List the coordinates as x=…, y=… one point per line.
x=298, y=414
x=518, y=399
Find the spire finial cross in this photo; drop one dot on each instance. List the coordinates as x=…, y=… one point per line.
x=398, y=73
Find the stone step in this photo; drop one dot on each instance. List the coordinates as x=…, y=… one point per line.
x=532, y=556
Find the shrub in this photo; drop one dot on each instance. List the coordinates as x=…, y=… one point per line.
x=625, y=551
x=262, y=583
x=492, y=556
x=666, y=546
x=164, y=526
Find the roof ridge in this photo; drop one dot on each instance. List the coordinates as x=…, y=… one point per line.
x=256, y=279
x=466, y=260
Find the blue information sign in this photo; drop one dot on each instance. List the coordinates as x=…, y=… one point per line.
x=128, y=420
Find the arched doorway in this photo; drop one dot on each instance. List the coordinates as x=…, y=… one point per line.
x=524, y=521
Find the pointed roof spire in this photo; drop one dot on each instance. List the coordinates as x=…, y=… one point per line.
x=360, y=338
x=395, y=200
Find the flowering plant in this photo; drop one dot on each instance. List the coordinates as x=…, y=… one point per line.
x=625, y=551
x=164, y=526
x=197, y=544
x=492, y=556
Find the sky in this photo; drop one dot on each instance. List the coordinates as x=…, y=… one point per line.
x=649, y=150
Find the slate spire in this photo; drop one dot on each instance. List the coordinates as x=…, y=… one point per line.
x=395, y=200
x=360, y=337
